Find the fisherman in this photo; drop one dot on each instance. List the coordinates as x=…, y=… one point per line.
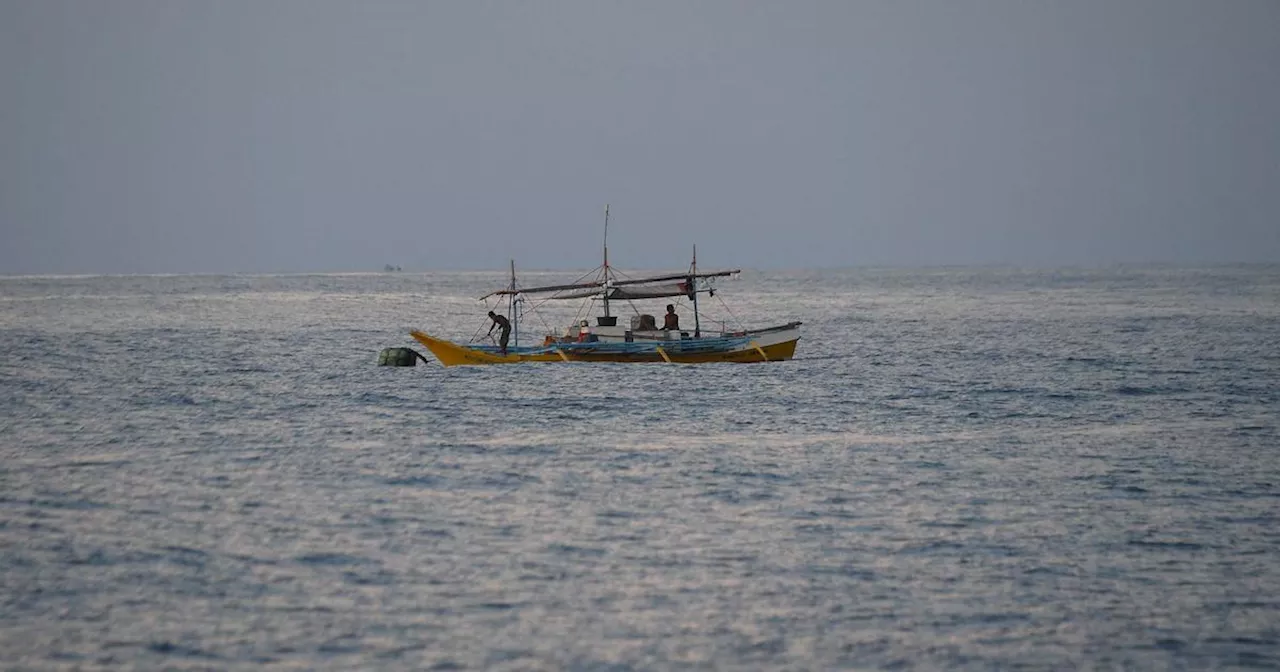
x=500, y=321
x=671, y=321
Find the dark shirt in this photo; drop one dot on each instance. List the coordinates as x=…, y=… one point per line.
x=502, y=322
x=671, y=321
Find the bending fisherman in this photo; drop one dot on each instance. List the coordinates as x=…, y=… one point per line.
x=500, y=321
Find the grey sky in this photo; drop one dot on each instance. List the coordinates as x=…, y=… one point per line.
x=297, y=135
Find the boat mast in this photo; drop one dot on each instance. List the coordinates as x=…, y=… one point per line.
x=693, y=287
x=605, y=277
x=512, y=314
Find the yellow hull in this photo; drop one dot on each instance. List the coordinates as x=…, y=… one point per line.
x=452, y=354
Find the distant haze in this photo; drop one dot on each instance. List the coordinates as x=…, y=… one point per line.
x=317, y=135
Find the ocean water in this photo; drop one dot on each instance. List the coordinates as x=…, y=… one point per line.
x=963, y=468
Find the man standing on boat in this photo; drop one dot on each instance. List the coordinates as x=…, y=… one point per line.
x=500, y=321
x=671, y=321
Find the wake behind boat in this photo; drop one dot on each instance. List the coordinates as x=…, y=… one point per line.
x=639, y=340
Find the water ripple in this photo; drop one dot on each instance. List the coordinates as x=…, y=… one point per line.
x=964, y=468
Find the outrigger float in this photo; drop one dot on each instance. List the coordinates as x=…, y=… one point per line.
x=608, y=341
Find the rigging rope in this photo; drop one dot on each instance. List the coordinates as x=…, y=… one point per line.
x=602, y=275
x=740, y=325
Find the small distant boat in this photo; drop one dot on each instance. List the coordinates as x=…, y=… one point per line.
x=641, y=340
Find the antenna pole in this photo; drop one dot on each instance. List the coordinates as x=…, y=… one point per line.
x=606, y=260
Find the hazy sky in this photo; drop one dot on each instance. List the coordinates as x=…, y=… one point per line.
x=300, y=135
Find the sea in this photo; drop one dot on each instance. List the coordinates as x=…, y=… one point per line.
x=962, y=468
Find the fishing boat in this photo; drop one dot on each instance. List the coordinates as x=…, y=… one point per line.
x=639, y=339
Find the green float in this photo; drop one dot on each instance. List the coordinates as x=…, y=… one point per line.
x=399, y=357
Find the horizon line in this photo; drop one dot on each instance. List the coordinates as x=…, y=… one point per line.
x=793, y=269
